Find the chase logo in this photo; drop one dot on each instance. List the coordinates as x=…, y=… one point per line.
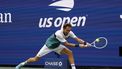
x=63, y=5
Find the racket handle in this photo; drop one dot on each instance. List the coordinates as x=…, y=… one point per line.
x=88, y=44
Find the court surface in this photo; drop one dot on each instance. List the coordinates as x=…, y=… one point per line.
x=21, y=68
x=54, y=68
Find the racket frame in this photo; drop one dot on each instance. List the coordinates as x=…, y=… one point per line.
x=94, y=42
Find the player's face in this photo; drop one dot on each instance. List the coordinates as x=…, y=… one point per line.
x=67, y=30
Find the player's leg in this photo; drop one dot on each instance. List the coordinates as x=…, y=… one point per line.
x=64, y=50
x=33, y=59
x=43, y=51
x=70, y=57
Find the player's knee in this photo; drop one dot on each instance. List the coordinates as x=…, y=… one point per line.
x=70, y=53
x=67, y=52
x=36, y=58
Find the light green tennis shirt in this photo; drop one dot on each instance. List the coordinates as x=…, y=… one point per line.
x=57, y=38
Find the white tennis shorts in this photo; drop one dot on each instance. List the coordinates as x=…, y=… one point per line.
x=45, y=50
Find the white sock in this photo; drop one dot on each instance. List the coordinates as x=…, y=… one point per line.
x=73, y=66
x=23, y=63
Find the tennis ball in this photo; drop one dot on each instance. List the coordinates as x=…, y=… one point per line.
x=97, y=40
x=121, y=16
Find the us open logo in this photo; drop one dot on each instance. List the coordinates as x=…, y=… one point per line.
x=59, y=21
x=63, y=5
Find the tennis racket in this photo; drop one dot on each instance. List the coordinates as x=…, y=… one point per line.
x=99, y=43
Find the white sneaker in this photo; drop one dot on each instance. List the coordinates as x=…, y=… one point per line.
x=20, y=65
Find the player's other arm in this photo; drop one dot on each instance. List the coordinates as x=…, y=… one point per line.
x=81, y=42
x=70, y=44
x=64, y=41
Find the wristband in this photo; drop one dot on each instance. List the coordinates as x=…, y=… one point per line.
x=85, y=43
x=76, y=45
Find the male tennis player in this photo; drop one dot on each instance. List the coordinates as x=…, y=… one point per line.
x=57, y=42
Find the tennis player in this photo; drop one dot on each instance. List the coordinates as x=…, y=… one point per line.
x=57, y=42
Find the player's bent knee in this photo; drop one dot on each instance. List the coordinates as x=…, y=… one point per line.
x=70, y=53
x=34, y=59
x=67, y=52
x=37, y=58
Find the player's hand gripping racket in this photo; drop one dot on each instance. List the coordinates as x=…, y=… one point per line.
x=99, y=43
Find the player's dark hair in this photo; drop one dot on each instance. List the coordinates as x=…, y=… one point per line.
x=67, y=25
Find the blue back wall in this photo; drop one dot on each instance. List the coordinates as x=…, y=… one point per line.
x=23, y=38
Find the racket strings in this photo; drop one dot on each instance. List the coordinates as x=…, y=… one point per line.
x=101, y=43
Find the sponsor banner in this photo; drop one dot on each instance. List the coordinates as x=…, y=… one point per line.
x=58, y=63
